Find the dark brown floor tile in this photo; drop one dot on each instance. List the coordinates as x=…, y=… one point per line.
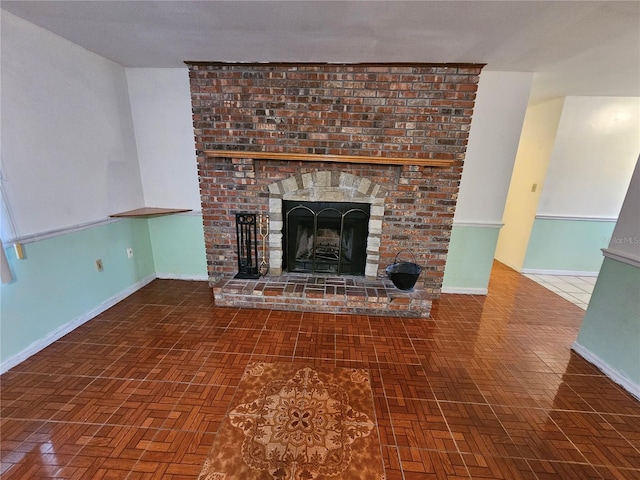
x=100, y=400
x=277, y=343
x=387, y=327
x=137, y=363
x=117, y=442
x=476, y=429
x=536, y=435
x=375, y=376
x=626, y=425
x=51, y=398
x=569, y=362
x=202, y=339
x=383, y=420
x=405, y=381
x=13, y=434
x=596, y=439
x=14, y=384
x=391, y=461
x=315, y=345
x=548, y=470
x=613, y=473
x=224, y=369
x=499, y=386
x=483, y=466
x=355, y=348
x=178, y=366
x=280, y=320
x=199, y=319
x=321, y=322
x=603, y=394
x=113, y=452
x=150, y=405
x=420, y=424
x=249, y=319
x=204, y=300
x=31, y=466
x=419, y=464
x=419, y=328
x=357, y=325
x=170, y=448
x=551, y=392
x=201, y=408
x=454, y=384
x=395, y=350
x=237, y=340
x=82, y=361
x=63, y=438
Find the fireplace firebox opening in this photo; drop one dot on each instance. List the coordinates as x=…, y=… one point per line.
x=325, y=237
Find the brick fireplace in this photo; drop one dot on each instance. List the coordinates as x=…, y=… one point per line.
x=390, y=136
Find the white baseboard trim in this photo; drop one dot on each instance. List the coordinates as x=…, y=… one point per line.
x=176, y=276
x=574, y=273
x=62, y=330
x=465, y=291
x=626, y=383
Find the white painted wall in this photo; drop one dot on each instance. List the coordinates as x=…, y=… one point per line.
x=68, y=148
x=498, y=116
x=596, y=148
x=534, y=152
x=161, y=109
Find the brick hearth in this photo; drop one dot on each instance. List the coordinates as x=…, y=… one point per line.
x=405, y=113
x=343, y=295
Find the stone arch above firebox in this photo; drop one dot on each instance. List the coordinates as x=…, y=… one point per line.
x=326, y=186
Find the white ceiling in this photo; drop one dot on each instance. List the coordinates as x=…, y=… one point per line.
x=575, y=47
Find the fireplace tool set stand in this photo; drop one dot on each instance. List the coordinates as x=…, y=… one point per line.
x=264, y=233
x=247, y=244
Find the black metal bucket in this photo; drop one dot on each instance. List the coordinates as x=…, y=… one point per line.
x=404, y=275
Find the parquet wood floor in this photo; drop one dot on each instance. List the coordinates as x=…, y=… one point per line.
x=487, y=387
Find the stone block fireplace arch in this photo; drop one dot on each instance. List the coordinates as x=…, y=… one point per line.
x=326, y=186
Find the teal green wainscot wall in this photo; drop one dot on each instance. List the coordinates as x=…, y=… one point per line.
x=177, y=242
x=567, y=245
x=610, y=332
x=58, y=286
x=470, y=259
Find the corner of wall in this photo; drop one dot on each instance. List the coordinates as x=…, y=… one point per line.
x=609, y=333
x=527, y=180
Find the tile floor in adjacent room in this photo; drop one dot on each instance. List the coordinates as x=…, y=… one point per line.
x=576, y=289
x=488, y=387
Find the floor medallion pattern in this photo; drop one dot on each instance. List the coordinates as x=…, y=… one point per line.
x=293, y=422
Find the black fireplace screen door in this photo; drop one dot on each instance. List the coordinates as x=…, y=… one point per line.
x=325, y=237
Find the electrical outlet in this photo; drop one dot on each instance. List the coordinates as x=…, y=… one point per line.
x=534, y=187
x=99, y=265
x=129, y=252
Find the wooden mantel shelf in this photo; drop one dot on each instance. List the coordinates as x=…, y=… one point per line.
x=149, y=212
x=309, y=157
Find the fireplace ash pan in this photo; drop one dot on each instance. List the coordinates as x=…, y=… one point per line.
x=404, y=275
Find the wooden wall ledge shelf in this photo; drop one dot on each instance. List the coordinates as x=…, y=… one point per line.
x=149, y=212
x=309, y=157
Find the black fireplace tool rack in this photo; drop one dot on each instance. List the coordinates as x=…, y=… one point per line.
x=247, y=243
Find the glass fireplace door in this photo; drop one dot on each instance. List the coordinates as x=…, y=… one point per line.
x=325, y=237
